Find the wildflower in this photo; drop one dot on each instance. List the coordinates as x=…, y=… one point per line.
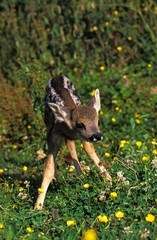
x=92, y=93
x=116, y=12
x=40, y=190
x=137, y=115
x=154, y=163
x=30, y=230
x=128, y=230
x=70, y=223
x=21, y=189
x=144, y=233
x=154, y=142
x=90, y=234
x=113, y=120
x=149, y=65
x=1, y=225
x=129, y=38
x=94, y=29
x=107, y=154
x=86, y=185
x=28, y=126
x=71, y=169
x=119, y=48
x=137, y=121
x=150, y=218
x=101, y=112
x=155, y=151
x=75, y=69
x=1, y=171
x=102, y=68
x=145, y=158
x=102, y=196
x=107, y=24
x=122, y=143
x=6, y=185
x=40, y=234
x=14, y=146
x=115, y=159
x=40, y=154
x=113, y=195
x=138, y=143
x=24, y=169
x=119, y=214
x=102, y=218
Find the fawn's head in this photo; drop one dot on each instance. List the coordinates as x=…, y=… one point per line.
x=82, y=120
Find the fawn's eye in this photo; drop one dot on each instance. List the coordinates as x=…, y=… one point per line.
x=80, y=125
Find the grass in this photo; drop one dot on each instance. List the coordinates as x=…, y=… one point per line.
x=117, y=211
x=119, y=57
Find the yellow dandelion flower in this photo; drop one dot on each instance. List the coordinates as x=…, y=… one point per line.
x=154, y=142
x=113, y=120
x=155, y=151
x=115, y=159
x=90, y=234
x=119, y=48
x=1, y=225
x=21, y=189
x=103, y=218
x=117, y=109
x=113, y=195
x=1, y=171
x=92, y=93
x=75, y=69
x=137, y=115
x=24, y=169
x=107, y=24
x=29, y=126
x=30, y=230
x=145, y=158
x=129, y=38
x=122, y=143
x=71, y=169
x=150, y=218
x=107, y=154
x=119, y=214
x=102, y=68
x=40, y=190
x=101, y=112
x=149, y=65
x=116, y=12
x=137, y=121
x=70, y=223
x=6, y=185
x=138, y=143
x=86, y=185
x=14, y=146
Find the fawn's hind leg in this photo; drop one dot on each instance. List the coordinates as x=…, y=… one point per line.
x=89, y=148
x=72, y=149
x=48, y=176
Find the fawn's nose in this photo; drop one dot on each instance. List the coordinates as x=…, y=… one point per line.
x=96, y=137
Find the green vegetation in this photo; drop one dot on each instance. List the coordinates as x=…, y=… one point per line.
x=110, y=45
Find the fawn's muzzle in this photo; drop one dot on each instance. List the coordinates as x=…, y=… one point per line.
x=96, y=137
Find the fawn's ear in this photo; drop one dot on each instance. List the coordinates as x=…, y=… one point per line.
x=61, y=114
x=95, y=101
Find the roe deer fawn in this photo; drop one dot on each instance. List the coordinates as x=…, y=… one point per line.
x=67, y=120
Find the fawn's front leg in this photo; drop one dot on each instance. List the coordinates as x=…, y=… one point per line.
x=48, y=176
x=89, y=148
x=73, y=153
